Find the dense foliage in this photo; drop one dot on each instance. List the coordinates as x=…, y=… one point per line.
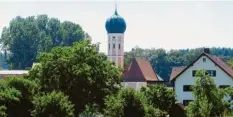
x=159, y=96
x=209, y=100
x=131, y=103
x=127, y=103
x=78, y=71
x=54, y=104
x=163, y=61
x=16, y=95
x=26, y=37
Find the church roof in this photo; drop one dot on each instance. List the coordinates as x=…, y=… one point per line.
x=222, y=65
x=115, y=24
x=140, y=70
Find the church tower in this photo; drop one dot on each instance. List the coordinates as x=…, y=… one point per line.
x=115, y=27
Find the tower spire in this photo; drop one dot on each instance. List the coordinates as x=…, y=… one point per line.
x=116, y=8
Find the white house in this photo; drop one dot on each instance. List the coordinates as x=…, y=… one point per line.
x=183, y=78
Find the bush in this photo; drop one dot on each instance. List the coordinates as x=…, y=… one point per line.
x=159, y=96
x=152, y=112
x=54, y=104
x=127, y=103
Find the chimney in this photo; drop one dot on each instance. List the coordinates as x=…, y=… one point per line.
x=207, y=50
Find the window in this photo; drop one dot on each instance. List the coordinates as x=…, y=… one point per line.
x=194, y=72
x=186, y=102
x=187, y=88
x=113, y=46
x=109, y=46
x=119, y=46
x=223, y=86
x=204, y=59
x=113, y=38
x=211, y=73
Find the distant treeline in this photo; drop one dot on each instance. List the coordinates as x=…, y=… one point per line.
x=162, y=61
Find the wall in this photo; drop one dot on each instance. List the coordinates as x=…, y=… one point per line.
x=187, y=79
x=134, y=85
x=116, y=54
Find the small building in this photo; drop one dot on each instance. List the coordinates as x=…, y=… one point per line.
x=4, y=73
x=139, y=74
x=182, y=78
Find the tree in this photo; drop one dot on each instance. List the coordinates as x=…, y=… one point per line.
x=208, y=98
x=16, y=94
x=126, y=103
x=26, y=37
x=27, y=89
x=54, y=104
x=159, y=96
x=80, y=72
x=91, y=111
x=3, y=111
x=9, y=97
x=153, y=112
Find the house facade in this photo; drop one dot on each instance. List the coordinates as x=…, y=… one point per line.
x=183, y=78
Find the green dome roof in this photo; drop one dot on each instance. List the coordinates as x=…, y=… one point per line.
x=115, y=24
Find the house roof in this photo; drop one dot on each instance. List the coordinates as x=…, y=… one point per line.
x=140, y=70
x=176, y=71
x=222, y=65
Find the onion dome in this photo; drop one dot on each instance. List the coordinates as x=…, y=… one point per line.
x=115, y=24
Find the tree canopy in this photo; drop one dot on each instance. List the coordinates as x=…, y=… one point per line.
x=26, y=37
x=159, y=96
x=209, y=100
x=80, y=72
x=54, y=104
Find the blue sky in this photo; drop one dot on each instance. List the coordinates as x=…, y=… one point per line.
x=151, y=24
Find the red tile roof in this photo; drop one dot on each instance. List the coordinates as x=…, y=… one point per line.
x=222, y=65
x=140, y=70
x=176, y=71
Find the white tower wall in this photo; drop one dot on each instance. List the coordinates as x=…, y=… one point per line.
x=116, y=48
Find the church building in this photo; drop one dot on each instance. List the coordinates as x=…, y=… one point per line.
x=140, y=72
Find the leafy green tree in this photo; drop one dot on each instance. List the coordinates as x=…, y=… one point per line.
x=80, y=72
x=91, y=111
x=127, y=103
x=208, y=98
x=3, y=111
x=17, y=94
x=153, y=112
x=26, y=37
x=9, y=97
x=54, y=104
x=159, y=96
x=27, y=89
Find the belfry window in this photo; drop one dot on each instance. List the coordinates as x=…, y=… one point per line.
x=114, y=46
